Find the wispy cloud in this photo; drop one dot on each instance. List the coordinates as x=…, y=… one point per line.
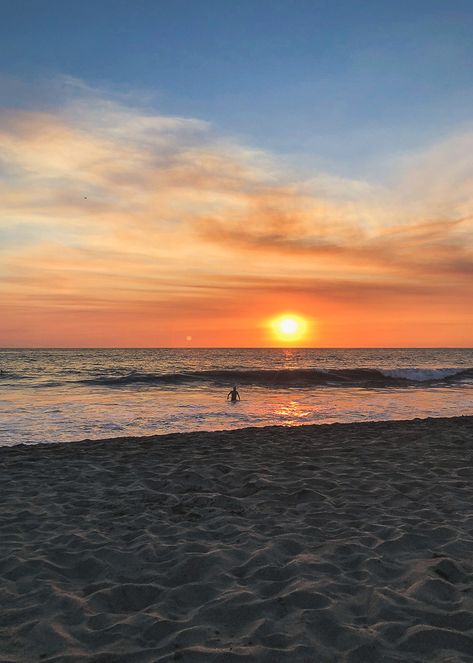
x=108, y=210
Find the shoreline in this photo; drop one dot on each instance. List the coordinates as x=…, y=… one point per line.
x=343, y=543
x=189, y=434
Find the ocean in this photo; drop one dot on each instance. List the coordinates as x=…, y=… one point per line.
x=59, y=395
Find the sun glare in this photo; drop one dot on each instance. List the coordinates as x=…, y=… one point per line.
x=289, y=327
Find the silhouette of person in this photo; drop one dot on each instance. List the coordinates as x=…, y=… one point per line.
x=233, y=395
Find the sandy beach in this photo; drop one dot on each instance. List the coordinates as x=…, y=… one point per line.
x=336, y=543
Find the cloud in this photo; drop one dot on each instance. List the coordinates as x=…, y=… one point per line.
x=106, y=207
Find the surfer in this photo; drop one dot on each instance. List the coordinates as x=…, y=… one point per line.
x=233, y=395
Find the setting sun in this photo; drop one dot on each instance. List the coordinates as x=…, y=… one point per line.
x=289, y=327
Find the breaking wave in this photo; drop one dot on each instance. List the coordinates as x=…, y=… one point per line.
x=299, y=377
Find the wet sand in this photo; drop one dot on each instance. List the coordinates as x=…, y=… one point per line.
x=343, y=542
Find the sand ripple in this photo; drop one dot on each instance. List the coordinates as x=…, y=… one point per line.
x=343, y=543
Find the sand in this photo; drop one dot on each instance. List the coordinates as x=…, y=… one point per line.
x=348, y=542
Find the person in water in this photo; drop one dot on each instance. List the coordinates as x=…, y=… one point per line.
x=233, y=395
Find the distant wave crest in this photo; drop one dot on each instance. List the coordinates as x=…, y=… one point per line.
x=10, y=375
x=298, y=377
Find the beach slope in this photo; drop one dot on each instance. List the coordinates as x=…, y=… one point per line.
x=336, y=543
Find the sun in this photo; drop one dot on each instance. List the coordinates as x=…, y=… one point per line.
x=289, y=327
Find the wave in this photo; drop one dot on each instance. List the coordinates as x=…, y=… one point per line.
x=10, y=375
x=297, y=377
x=426, y=374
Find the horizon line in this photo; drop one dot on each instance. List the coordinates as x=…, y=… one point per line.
x=248, y=347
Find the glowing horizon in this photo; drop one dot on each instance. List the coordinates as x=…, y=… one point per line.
x=109, y=243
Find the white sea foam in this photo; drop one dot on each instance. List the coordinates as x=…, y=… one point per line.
x=422, y=374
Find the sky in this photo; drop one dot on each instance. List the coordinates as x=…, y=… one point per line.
x=182, y=173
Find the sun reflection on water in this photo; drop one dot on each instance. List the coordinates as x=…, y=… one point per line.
x=291, y=412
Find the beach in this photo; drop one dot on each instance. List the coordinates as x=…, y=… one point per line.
x=332, y=543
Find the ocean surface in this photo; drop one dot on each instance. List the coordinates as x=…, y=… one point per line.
x=65, y=395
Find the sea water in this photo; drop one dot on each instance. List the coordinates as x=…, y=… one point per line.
x=59, y=395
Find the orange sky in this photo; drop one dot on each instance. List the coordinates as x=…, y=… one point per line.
x=125, y=229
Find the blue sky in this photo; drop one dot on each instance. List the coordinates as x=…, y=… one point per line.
x=338, y=85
